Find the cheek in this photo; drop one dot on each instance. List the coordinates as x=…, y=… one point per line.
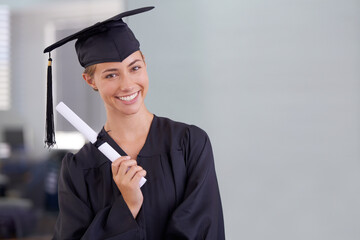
x=145, y=84
x=144, y=80
x=105, y=89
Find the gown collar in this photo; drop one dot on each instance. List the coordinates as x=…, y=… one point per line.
x=145, y=150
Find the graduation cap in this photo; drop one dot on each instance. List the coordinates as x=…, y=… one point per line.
x=107, y=41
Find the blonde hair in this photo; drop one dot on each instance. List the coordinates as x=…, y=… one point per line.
x=90, y=70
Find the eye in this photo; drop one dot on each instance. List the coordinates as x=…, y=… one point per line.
x=135, y=68
x=111, y=75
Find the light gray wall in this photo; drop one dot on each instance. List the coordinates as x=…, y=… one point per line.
x=276, y=86
x=274, y=83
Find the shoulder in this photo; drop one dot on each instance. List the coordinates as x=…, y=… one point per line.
x=87, y=157
x=191, y=140
x=183, y=132
x=178, y=127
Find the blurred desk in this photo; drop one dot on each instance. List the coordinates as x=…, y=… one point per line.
x=30, y=196
x=17, y=217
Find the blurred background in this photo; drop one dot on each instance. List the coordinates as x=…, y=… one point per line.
x=275, y=84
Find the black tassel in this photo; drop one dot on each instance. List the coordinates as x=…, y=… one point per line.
x=50, y=132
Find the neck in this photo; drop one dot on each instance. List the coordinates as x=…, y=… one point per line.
x=128, y=126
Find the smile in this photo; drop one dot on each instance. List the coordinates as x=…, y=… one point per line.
x=130, y=97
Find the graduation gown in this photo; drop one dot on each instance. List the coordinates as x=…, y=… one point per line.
x=181, y=195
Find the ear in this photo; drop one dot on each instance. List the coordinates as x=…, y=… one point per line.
x=89, y=80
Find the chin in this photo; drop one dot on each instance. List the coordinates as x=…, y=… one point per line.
x=130, y=110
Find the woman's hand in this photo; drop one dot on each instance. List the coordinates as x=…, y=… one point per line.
x=127, y=174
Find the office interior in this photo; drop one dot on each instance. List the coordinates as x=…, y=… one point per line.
x=275, y=84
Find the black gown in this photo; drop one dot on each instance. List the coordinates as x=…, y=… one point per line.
x=181, y=195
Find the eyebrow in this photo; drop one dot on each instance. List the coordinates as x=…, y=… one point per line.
x=115, y=69
x=110, y=70
x=133, y=62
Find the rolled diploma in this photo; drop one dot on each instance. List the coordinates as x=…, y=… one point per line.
x=89, y=133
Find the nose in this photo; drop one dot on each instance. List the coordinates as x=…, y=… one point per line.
x=126, y=84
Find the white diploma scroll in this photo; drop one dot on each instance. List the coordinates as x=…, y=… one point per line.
x=89, y=133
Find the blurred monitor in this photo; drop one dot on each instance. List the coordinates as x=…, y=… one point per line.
x=15, y=138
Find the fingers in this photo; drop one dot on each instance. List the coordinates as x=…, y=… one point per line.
x=127, y=169
x=125, y=166
x=139, y=175
x=135, y=171
x=116, y=164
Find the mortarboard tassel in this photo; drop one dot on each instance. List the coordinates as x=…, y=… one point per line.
x=50, y=133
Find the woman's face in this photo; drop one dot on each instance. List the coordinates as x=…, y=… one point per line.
x=122, y=85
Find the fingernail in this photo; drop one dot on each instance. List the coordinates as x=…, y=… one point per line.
x=127, y=157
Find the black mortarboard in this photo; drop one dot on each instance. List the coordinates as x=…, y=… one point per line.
x=107, y=41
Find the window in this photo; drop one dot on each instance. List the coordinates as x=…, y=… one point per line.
x=4, y=58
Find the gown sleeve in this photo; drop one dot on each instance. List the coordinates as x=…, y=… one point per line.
x=199, y=215
x=76, y=220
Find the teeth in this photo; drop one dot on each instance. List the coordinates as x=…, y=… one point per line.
x=129, y=98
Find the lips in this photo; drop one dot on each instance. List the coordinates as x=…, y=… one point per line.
x=129, y=97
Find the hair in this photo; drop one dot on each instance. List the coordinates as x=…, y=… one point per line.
x=90, y=70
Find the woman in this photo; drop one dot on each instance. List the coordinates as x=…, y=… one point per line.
x=103, y=200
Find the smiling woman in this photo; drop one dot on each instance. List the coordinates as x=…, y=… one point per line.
x=122, y=85
x=103, y=200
